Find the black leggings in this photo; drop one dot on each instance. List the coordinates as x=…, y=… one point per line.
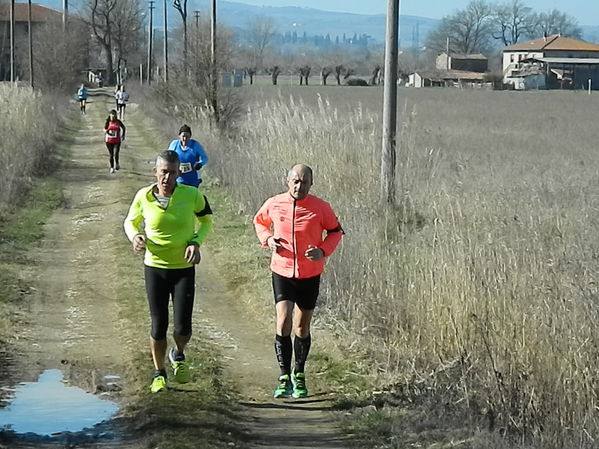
x=113, y=150
x=161, y=285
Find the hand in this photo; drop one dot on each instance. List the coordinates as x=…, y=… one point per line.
x=192, y=254
x=197, y=166
x=139, y=243
x=274, y=243
x=313, y=253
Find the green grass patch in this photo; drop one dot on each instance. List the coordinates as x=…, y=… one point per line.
x=20, y=229
x=237, y=250
x=24, y=226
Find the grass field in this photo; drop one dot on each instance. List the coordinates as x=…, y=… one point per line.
x=476, y=294
x=484, y=273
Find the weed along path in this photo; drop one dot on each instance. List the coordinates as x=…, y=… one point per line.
x=85, y=329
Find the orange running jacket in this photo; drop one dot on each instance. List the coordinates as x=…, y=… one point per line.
x=297, y=224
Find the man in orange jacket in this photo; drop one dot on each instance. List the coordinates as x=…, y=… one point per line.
x=292, y=225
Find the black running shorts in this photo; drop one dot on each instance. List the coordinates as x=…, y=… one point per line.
x=303, y=292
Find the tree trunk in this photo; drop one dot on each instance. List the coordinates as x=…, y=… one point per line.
x=185, y=42
x=110, y=75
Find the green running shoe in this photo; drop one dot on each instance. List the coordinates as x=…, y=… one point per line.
x=299, y=385
x=158, y=384
x=180, y=366
x=284, y=387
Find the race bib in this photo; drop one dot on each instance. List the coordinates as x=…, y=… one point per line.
x=185, y=167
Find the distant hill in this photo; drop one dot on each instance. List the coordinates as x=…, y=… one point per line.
x=413, y=29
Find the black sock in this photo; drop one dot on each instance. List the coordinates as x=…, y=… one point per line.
x=301, y=347
x=284, y=351
x=177, y=356
x=159, y=372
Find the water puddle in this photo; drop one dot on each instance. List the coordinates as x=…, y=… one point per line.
x=49, y=407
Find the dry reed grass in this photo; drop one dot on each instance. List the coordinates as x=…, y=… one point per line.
x=29, y=128
x=479, y=288
x=481, y=284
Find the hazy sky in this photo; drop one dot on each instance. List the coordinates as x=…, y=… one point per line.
x=586, y=11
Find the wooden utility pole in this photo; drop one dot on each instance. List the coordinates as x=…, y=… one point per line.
x=389, y=156
x=196, y=46
x=65, y=13
x=214, y=71
x=30, y=33
x=165, y=44
x=12, y=41
x=150, y=41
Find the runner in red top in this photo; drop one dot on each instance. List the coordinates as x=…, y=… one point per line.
x=114, y=131
x=292, y=225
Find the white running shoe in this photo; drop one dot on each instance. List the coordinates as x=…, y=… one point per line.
x=111, y=170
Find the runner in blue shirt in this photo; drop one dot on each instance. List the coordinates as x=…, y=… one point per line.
x=82, y=97
x=191, y=155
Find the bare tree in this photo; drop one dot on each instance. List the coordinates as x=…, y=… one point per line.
x=201, y=56
x=340, y=71
x=251, y=72
x=58, y=64
x=375, y=76
x=274, y=73
x=468, y=30
x=181, y=6
x=116, y=24
x=128, y=35
x=325, y=72
x=101, y=18
x=511, y=21
x=261, y=32
x=304, y=73
x=556, y=22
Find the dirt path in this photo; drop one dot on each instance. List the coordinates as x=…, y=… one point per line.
x=75, y=323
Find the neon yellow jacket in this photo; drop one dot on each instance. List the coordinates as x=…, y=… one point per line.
x=169, y=230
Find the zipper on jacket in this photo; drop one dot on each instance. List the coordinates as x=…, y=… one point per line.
x=293, y=238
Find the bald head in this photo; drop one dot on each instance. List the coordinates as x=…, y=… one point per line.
x=299, y=181
x=301, y=170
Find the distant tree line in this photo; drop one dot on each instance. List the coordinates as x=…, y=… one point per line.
x=323, y=40
x=483, y=25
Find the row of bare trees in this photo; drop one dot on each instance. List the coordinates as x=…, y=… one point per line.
x=481, y=24
x=341, y=73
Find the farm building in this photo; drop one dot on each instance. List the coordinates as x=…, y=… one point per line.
x=445, y=78
x=39, y=16
x=468, y=63
x=554, y=62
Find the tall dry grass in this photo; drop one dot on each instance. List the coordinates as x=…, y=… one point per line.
x=481, y=284
x=29, y=128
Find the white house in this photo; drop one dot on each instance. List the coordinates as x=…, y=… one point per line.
x=577, y=62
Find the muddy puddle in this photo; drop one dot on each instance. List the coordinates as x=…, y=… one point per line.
x=48, y=409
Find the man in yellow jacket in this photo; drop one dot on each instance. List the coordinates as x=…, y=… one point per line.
x=170, y=213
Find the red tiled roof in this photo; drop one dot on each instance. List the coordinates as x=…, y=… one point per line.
x=554, y=42
x=39, y=13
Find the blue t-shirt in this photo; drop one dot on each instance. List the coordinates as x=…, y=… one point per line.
x=192, y=154
x=82, y=93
